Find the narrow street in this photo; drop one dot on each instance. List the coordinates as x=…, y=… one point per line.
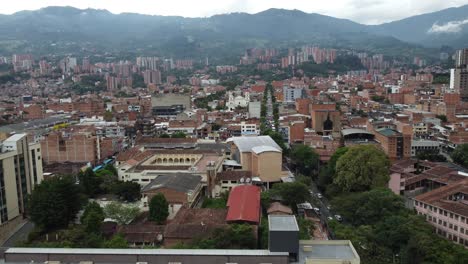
x=323, y=204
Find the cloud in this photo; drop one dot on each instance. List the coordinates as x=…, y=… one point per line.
x=449, y=27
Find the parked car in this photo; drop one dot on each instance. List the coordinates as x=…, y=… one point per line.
x=329, y=218
x=319, y=195
x=338, y=217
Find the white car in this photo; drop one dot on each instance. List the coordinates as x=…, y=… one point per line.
x=329, y=218
x=319, y=195
x=338, y=217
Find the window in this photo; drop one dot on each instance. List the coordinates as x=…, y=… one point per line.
x=450, y=226
x=455, y=228
x=462, y=230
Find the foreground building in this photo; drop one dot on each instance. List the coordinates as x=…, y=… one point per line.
x=284, y=248
x=20, y=171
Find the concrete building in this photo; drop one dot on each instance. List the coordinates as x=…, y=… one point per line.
x=20, y=171
x=161, y=156
x=290, y=94
x=459, y=75
x=255, y=109
x=237, y=101
x=446, y=209
x=260, y=155
x=152, y=77
x=395, y=144
x=170, y=105
x=179, y=189
x=418, y=146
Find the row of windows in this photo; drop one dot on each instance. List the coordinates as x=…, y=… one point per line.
x=441, y=212
x=445, y=224
x=453, y=237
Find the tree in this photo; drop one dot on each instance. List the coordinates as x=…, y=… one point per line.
x=120, y=213
x=128, y=191
x=362, y=168
x=292, y=193
x=278, y=138
x=117, y=241
x=460, y=155
x=240, y=236
x=54, y=202
x=368, y=207
x=327, y=173
x=305, y=159
x=92, y=218
x=158, y=208
x=89, y=181
x=164, y=135
x=111, y=168
x=179, y=135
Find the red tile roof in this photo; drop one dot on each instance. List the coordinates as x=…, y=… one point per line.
x=244, y=204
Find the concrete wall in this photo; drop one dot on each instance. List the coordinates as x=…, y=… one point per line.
x=150, y=259
x=269, y=166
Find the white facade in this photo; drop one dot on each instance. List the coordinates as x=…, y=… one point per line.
x=238, y=101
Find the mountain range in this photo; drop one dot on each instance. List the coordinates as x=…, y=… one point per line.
x=69, y=29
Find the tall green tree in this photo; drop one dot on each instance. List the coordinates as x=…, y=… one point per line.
x=117, y=241
x=122, y=214
x=92, y=217
x=460, y=155
x=305, y=159
x=54, y=202
x=292, y=193
x=327, y=172
x=127, y=190
x=158, y=208
x=90, y=182
x=362, y=168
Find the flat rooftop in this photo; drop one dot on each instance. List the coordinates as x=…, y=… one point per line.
x=98, y=251
x=282, y=223
x=326, y=250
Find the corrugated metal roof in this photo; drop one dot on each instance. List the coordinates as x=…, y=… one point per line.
x=245, y=144
x=261, y=149
x=350, y=131
x=244, y=204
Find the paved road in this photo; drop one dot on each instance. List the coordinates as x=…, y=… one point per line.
x=20, y=235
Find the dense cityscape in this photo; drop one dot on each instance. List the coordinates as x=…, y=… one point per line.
x=293, y=153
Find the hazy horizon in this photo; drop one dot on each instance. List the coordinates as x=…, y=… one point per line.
x=369, y=12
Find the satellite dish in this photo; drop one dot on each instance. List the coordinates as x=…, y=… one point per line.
x=248, y=180
x=242, y=180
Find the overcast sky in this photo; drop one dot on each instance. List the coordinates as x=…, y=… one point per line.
x=362, y=11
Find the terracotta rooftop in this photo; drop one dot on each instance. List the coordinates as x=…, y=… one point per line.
x=195, y=222
x=233, y=175
x=443, y=197
x=277, y=207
